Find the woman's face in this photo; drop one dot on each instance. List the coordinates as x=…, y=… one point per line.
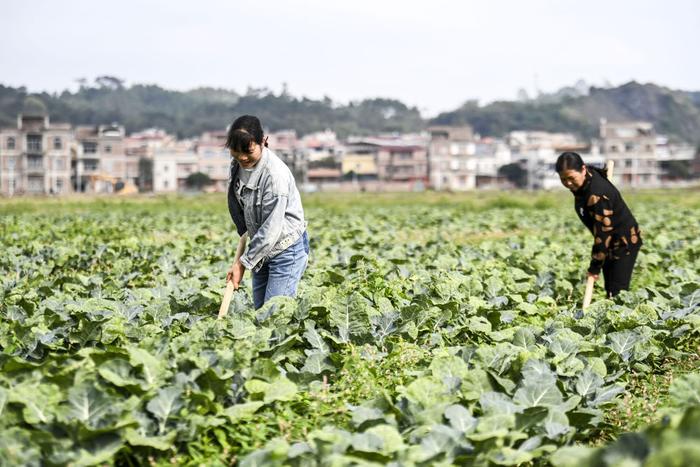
x=573, y=179
x=247, y=160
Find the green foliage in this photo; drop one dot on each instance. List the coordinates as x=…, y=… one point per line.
x=429, y=329
x=188, y=114
x=198, y=180
x=515, y=174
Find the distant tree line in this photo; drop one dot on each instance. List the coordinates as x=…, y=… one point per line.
x=186, y=114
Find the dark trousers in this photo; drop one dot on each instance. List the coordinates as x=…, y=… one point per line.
x=618, y=273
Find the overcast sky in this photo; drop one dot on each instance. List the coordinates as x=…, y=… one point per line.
x=432, y=54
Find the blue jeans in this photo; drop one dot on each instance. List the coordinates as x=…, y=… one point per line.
x=280, y=274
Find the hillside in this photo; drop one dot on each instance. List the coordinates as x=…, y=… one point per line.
x=675, y=113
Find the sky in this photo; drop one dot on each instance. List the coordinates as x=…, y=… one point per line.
x=434, y=55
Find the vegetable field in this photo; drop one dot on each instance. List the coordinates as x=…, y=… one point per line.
x=429, y=330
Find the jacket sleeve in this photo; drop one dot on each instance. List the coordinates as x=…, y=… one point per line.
x=265, y=238
x=601, y=211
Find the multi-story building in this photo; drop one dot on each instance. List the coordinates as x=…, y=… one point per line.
x=451, y=155
x=359, y=167
x=100, y=164
x=140, y=148
x=632, y=145
x=35, y=157
x=490, y=154
x=537, y=153
x=172, y=166
x=399, y=159
x=213, y=158
x=288, y=147
x=321, y=145
x=675, y=160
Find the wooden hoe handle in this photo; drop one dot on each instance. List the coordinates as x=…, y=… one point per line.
x=588, y=295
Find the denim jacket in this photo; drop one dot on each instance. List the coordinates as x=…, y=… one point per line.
x=272, y=214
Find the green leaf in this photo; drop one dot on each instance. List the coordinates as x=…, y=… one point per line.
x=88, y=404
x=622, y=343
x=538, y=393
x=118, y=372
x=280, y=389
x=391, y=439
x=449, y=366
x=684, y=390
x=161, y=443
x=460, y=418
x=153, y=368
x=588, y=382
x=242, y=411
x=165, y=404
x=573, y=456
x=317, y=363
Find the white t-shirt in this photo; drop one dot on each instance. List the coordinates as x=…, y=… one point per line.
x=241, y=180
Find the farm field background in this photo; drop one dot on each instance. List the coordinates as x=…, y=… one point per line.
x=430, y=329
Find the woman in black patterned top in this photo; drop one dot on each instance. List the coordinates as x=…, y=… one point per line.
x=616, y=235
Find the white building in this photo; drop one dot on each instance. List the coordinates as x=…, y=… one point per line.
x=171, y=167
x=632, y=145
x=537, y=153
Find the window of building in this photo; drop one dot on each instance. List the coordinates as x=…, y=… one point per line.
x=59, y=185
x=613, y=148
x=90, y=165
x=57, y=143
x=11, y=162
x=34, y=143
x=89, y=147
x=165, y=184
x=629, y=147
x=628, y=162
x=108, y=149
x=59, y=163
x=10, y=143
x=35, y=162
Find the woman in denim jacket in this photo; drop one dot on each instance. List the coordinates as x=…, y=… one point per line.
x=264, y=202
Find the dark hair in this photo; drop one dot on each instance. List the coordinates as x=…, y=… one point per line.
x=569, y=161
x=572, y=161
x=245, y=130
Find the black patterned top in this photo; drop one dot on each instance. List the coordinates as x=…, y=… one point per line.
x=601, y=208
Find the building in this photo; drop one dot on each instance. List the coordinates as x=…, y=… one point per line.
x=100, y=163
x=675, y=160
x=140, y=148
x=320, y=146
x=491, y=154
x=537, y=153
x=287, y=147
x=172, y=165
x=213, y=159
x=632, y=145
x=401, y=161
x=451, y=155
x=35, y=157
x=359, y=167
